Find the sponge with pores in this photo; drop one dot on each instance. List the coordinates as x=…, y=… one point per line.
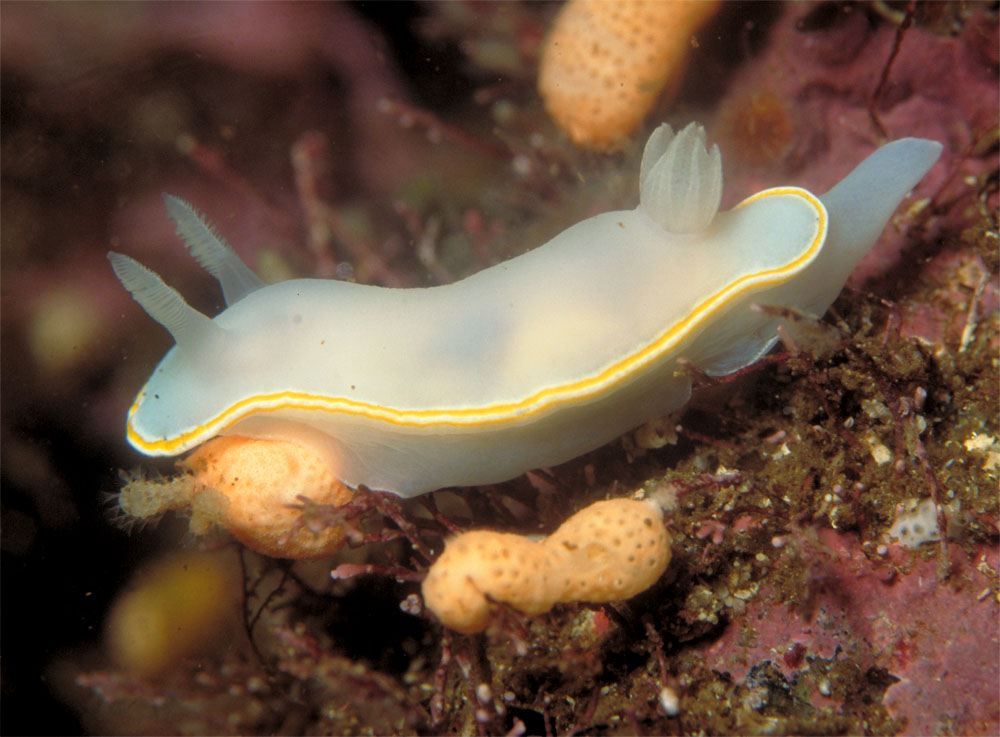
x=604, y=64
x=250, y=487
x=608, y=551
x=505, y=567
x=254, y=483
x=612, y=550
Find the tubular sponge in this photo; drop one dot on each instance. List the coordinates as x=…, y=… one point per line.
x=608, y=551
x=604, y=64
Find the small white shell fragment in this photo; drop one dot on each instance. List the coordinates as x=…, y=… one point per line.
x=484, y=693
x=670, y=701
x=781, y=452
x=916, y=523
x=880, y=453
x=987, y=446
x=876, y=410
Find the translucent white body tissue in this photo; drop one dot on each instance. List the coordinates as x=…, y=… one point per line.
x=528, y=363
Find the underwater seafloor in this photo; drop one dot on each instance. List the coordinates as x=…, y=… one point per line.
x=405, y=145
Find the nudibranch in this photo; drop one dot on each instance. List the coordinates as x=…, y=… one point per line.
x=525, y=364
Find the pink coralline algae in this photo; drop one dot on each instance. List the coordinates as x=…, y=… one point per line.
x=939, y=639
x=816, y=100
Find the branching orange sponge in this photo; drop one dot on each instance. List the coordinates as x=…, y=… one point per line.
x=609, y=551
x=247, y=486
x=605, y=64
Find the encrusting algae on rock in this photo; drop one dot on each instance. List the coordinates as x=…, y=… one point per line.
x=609, y=551
x=250, y=488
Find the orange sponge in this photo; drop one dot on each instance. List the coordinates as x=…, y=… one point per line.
x=608, y=551
x=481, y=563
x=605, y=63
x=612, y=550
x=246, y=485
x=177, y=607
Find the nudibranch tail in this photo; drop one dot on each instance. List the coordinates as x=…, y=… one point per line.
x=680, y=180
x=161, y=302
x=862, y=202
x=213, y=253
x=859, y=206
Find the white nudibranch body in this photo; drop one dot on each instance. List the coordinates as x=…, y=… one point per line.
x=528, y=363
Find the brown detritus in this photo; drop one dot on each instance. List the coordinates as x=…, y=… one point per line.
x=232, y=696
x=362, y=521
x=350, y=693
x=704, y=439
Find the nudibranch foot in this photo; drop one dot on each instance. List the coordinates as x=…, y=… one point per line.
x=525, y=364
